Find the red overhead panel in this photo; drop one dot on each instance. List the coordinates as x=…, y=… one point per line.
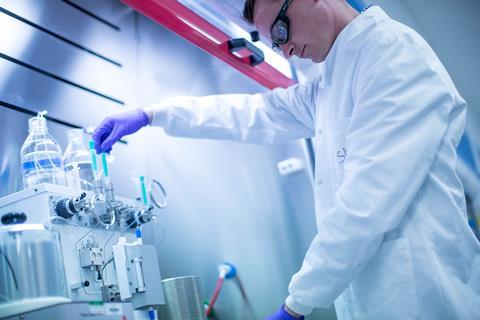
x=183, y=21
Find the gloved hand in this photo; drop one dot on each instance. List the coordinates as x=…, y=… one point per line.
x=281, y=314
x=114, y=127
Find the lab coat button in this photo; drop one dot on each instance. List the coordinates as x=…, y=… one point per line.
x=320, y=182
x=320, y=132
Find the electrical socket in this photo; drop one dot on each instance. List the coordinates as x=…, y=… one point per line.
x=290, y=166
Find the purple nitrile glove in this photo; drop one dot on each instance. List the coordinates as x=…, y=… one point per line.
x=281, y=314
x=114, y=127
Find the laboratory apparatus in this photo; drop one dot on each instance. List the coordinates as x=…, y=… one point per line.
x=77, y=161
x=41, y=155
x=75, y=244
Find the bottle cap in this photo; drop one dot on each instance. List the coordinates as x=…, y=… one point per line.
x=39, y=122
x=75, y=135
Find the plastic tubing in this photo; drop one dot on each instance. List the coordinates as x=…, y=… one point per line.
x=216, y=292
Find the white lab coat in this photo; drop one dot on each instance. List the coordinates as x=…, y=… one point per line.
x=393, y=240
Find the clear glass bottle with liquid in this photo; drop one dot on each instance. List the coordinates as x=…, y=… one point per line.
x=77, y=161
x=41, y=155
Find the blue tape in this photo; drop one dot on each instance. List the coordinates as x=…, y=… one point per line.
x=42, y=164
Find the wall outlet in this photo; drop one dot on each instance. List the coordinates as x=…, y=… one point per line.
x=290, y=166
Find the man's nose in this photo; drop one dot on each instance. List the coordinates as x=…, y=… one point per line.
x=288, y=50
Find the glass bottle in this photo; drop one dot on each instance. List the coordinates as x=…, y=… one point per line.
x=41, y=155
x=77, y=161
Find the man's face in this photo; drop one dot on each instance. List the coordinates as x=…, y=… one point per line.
x=311, y=32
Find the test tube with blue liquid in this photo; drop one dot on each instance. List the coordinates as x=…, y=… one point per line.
x=143, y=189
x=109, y=194
x=96, y=172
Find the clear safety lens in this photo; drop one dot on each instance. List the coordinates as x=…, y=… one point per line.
x=280, y=32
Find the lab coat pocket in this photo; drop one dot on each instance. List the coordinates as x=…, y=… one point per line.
x=385, y=289
x=339, y=147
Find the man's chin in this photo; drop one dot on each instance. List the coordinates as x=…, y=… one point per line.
x=317, y=59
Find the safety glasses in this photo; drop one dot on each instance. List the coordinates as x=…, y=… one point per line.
x=280, y=31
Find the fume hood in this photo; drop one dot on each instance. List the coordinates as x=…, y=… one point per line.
x=217, y=27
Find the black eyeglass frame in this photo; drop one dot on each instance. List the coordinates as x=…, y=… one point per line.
x=282, y=16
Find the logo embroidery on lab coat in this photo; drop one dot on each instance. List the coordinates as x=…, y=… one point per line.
x=341, y=155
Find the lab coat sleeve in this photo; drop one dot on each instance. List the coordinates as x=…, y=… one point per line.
x=276, y=116
x=402, y=106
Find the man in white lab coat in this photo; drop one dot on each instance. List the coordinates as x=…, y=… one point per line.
x=393, y=240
